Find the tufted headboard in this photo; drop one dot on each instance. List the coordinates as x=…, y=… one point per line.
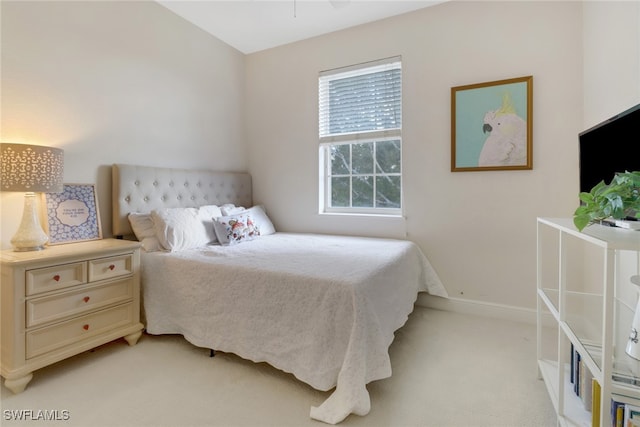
x=144, y=188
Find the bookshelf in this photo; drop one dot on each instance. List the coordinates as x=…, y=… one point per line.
x=585, y=302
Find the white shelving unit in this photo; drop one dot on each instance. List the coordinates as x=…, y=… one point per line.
x=578, y=301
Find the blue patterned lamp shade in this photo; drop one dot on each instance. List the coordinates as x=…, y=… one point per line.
x=30, y=169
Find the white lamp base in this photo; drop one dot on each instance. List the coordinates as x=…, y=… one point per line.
x=30, y=235
x=633, y=344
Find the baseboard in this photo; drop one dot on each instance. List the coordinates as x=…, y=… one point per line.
x=478, y=308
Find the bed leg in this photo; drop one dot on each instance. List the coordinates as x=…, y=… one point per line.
x=212, y=353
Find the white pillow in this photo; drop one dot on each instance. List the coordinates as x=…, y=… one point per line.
x=184, y=228
x=261, y=220
x=142, y=226
x=234, y=229
x=231, y=209
x=207, y=214
x=151, y=244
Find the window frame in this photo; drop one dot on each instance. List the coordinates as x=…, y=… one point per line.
x=371, y=136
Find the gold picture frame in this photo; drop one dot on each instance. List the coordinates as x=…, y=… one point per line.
x=491, y=125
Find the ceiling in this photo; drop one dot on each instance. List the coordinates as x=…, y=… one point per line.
x=254, y=25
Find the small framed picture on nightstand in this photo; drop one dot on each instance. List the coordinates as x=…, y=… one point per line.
x=73, y=216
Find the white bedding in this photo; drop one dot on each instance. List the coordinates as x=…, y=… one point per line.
x=324, y=308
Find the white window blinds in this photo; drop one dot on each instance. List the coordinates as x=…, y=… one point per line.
x=361, y=99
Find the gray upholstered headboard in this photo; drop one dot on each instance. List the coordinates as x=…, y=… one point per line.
x=144, y=188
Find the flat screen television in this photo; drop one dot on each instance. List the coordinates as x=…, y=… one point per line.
x=609, y=147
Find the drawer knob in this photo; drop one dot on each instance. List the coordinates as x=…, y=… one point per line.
x=86, y=299
x=56, y=277
x=85, y=327
x=111, y=267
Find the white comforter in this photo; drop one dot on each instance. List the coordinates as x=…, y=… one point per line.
x=324, y=308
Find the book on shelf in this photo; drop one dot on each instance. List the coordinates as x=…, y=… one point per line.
x=617, y=413
x=573, y=352
x=576, y=361
x=595, y=403
x=581, y=377
x=586, y=386
x=631, y=415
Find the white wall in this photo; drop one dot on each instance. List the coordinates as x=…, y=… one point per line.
x=611, y=58
x=477, y=228
x=117, y=82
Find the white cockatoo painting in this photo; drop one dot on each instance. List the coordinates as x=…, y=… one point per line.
x=506, y=143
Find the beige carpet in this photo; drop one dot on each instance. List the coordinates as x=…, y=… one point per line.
x=448, y=370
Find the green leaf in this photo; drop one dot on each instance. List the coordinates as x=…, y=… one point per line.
x=581, y=221
x=586, y=197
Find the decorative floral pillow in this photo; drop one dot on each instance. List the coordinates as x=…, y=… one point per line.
x=234, y=229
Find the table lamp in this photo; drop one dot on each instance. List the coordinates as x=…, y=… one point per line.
x=30, y=169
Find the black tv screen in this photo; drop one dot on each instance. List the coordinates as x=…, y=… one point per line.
x=609, y=147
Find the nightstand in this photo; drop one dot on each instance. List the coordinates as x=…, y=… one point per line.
x=64, y=300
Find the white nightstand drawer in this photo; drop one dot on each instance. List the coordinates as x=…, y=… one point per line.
x=58, y=277
x=107, y=268
x=59, y=306
x=49, y=338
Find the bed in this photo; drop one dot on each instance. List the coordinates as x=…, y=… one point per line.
x=323, y=308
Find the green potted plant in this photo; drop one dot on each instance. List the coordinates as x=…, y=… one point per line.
x=618, y=199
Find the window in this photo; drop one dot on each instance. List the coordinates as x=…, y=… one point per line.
x=360, y=138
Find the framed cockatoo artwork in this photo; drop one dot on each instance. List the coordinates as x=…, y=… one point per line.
x=491, y=125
